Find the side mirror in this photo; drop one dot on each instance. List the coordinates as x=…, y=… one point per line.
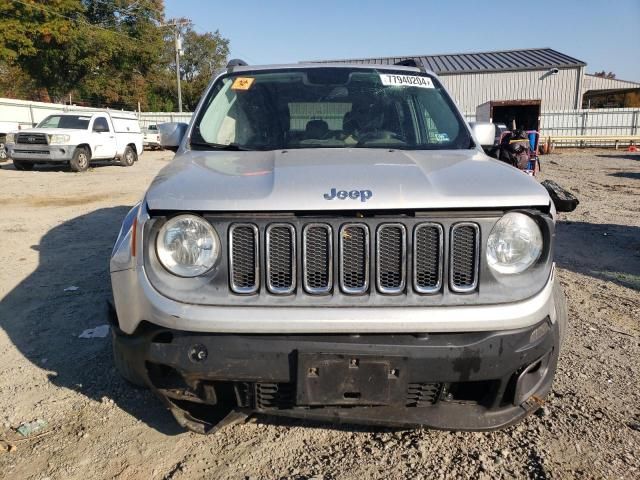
x=171, y=134
x=484, y=132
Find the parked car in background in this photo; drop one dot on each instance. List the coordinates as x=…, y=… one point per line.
x=151, y=138
x=5, y=128
x=77, y=138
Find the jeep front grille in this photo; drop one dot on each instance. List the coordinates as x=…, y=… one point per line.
x=388, y=258
x=464, y=257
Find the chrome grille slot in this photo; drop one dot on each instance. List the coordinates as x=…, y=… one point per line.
x=427, y=257
x=243, y=258
x=317, y=258
x=354, y=258
x=281, y=258
x=463, y=262
x=391, y=254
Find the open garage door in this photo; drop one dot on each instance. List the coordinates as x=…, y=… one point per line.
x=524, y=114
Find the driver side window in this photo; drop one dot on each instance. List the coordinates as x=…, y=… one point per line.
x=100, y=124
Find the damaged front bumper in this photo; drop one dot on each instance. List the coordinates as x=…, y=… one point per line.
x=453, y=381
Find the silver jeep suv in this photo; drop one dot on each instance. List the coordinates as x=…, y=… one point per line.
x=331, y=243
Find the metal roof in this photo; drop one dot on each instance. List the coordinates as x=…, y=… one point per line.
x=503, y=60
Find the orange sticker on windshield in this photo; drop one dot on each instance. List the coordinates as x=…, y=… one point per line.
x=242, y=83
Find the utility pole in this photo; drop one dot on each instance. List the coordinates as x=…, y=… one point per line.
x=176, y=24
x=178, y=53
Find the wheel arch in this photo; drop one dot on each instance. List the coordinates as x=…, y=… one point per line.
x=86, y=146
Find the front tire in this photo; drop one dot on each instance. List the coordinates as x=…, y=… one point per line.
x=80, y=160
x=23, y=165
x=129, y=157
x=123, y=366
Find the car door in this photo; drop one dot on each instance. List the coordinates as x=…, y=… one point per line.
x=104, y=138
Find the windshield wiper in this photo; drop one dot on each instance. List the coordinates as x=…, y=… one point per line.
x=220, y=146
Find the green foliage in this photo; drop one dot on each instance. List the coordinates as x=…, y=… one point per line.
x=112, y=53
x=203, y=54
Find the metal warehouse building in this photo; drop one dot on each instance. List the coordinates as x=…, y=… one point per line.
x=510, y=85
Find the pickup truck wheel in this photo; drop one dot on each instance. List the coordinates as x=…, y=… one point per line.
x=129, y=157
x=80, y=160
x=23, y=165
x=124, y=368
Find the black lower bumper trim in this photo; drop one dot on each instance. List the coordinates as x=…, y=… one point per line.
x=457, y=381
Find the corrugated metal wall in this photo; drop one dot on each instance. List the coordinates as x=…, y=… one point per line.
x=592, y=82
x=557, y=92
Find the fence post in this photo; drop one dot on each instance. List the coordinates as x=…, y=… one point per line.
x=585, y=119
x=634, y=123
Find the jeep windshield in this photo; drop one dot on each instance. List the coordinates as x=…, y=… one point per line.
x=75, y=122
x=329, y=108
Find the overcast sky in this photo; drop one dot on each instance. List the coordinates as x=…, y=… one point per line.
x=604, y=34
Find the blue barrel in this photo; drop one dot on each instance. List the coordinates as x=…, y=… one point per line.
x=532, y=141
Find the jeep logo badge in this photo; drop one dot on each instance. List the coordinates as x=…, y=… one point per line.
x=363, y=195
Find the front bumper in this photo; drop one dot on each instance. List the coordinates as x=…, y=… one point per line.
x=454, y=381
x=41, y=153
x=136, y=301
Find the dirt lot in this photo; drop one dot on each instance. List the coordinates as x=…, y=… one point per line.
x=56, y=231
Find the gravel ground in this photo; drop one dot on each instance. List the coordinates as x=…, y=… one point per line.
x=56, y=231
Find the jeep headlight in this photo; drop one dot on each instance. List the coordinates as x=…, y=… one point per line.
x=10, y=138
x=514, y=244
x=187, y=246
x=59, y=139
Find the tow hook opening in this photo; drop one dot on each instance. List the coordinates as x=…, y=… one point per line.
x=529, y=380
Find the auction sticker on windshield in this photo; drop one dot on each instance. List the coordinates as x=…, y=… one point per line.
x=390, y=79
x=242, y=83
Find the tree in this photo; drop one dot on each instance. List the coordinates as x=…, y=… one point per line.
x=103, y=53
x=204, y=53
x=604, y=74
x=32, y=32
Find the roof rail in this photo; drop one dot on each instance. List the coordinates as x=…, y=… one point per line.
x=411, y=62
x=236, y=62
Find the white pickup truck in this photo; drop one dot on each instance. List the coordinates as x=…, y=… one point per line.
x=77, y=138
x=151, y=137
x=6, y=127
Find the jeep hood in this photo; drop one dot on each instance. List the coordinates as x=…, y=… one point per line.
x=296, y=180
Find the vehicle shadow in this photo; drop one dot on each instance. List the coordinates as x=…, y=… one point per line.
x=631, y=175
x=44, y=322
x=621, y=156
x=59, y=167
x=604, y=251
